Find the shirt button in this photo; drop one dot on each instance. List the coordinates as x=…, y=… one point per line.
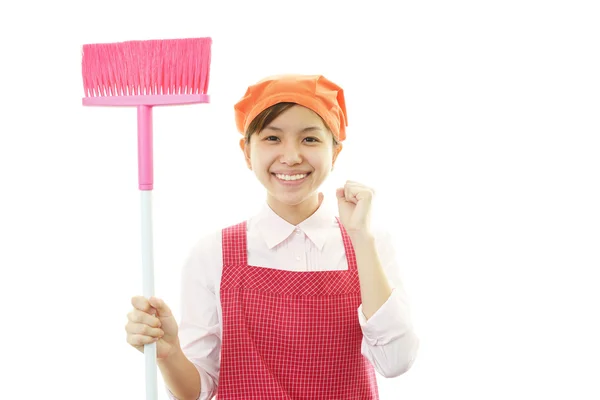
x=298, y=231
x=298, y=258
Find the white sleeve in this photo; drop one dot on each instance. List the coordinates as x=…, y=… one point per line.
x=389, y=340
x=200, y=325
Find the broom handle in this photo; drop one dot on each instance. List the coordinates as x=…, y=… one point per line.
x=145, y=171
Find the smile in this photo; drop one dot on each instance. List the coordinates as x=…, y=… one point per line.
x=291, y=179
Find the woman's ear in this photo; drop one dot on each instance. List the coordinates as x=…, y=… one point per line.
x=336, y=151
x=246, y=150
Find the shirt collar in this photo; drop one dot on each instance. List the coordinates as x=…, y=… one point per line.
x=275, y=229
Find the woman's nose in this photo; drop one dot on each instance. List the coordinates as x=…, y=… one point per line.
x=291, y=155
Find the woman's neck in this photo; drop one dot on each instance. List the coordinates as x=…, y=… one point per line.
x=294, y=214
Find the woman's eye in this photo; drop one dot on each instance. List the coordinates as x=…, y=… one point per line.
x=312, y=140
x=271, y=138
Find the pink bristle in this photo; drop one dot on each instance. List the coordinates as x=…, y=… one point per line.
x=157, y=72
x=134, y=73
x=152, y=63
x=184, y=88
x=103, y=83
x=171, y=71
x=155, y=78
x=113, y=77
x=121, y=82
x=203, y=66
x=129, y=70
x=166, y=73
x=145, y=63
x=190, y=76
x=177, y=55
x=151, y=67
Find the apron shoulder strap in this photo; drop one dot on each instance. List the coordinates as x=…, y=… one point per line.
x=233, y=241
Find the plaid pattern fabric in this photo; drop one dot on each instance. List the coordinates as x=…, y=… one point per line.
x=290, y=335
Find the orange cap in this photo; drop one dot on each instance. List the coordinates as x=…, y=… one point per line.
x=312, y=91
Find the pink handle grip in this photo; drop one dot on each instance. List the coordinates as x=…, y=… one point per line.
x=145, y=162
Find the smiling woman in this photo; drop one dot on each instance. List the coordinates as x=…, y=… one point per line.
x=294, y=302
x=291, y=156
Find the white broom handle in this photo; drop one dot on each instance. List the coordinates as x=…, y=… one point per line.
x=148, y=289
x=146, y=184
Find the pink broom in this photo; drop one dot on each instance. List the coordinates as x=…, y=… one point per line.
x=145, y=74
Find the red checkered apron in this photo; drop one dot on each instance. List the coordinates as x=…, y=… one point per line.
x=290, y=335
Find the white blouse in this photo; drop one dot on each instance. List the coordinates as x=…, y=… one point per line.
x=389, y=341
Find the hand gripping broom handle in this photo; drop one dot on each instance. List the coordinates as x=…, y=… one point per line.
x=146, y=180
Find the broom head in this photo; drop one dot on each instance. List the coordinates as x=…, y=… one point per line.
x=147, y=72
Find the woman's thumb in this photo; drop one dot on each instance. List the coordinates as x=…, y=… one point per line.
x=161, y=308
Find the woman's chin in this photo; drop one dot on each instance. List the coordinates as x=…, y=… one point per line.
x=291, y=199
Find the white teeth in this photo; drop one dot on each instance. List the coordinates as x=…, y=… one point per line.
x=290, y=177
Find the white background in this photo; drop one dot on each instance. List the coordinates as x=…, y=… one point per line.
x=477, y=123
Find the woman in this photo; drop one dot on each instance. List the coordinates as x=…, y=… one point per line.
x=293, y=303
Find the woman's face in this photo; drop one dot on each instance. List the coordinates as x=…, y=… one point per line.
x=292, y=156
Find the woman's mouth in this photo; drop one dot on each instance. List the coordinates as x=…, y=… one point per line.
x=291, y=179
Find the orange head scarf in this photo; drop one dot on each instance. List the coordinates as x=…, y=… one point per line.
x=312, y=91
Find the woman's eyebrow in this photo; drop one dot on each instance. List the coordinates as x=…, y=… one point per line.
x=307, y=129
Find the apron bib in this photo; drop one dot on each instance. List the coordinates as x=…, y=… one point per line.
x=290, y=335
